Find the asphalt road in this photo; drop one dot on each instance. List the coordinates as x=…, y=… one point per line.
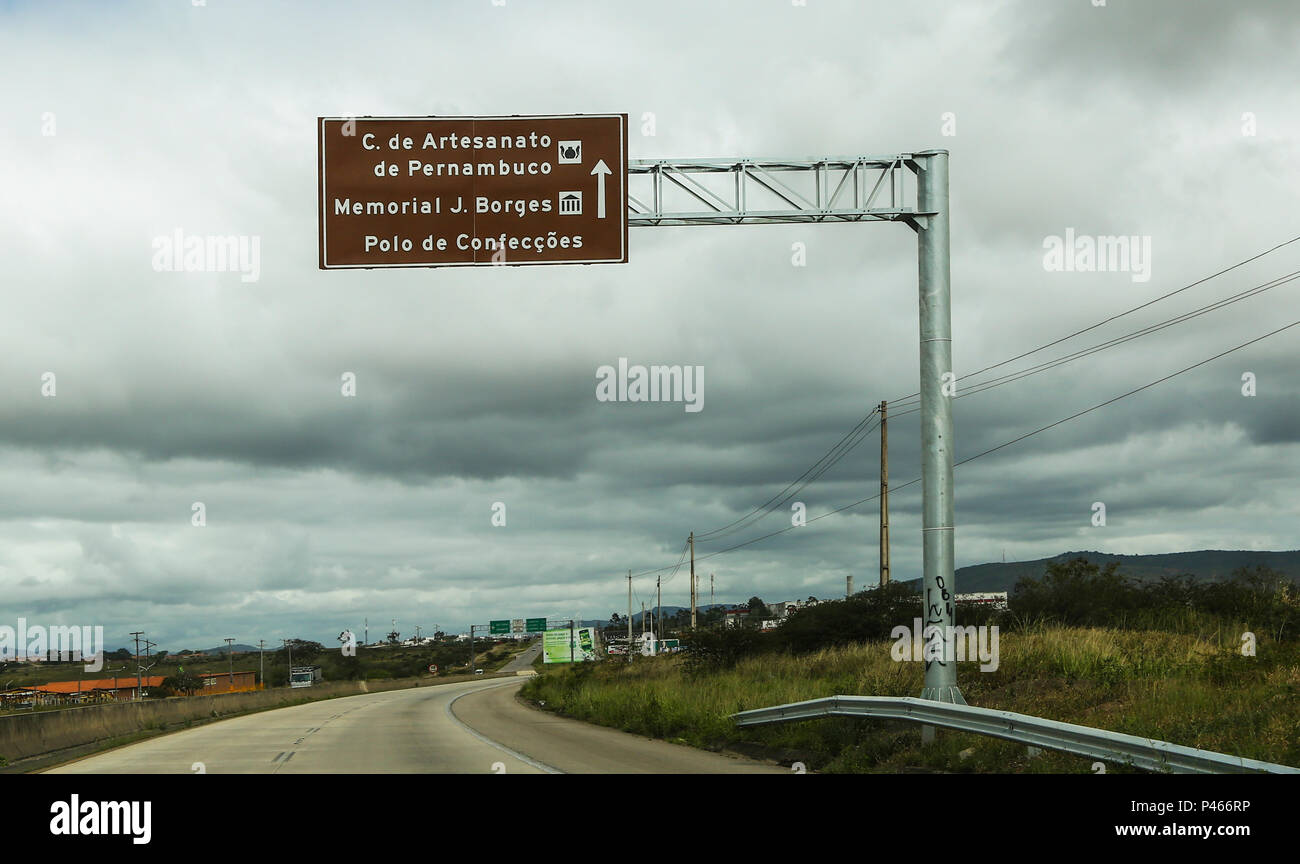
x=470, y=727
x=524, y=659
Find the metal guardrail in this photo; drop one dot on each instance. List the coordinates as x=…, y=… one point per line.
x=1100, y=744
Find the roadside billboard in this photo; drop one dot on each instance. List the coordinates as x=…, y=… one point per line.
x=560, y=645
x=555, y=646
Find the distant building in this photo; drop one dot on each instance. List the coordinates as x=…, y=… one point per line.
x=225, y=682
x=733, y=616
x=119, y=689
x=783, y=610
x=996, y=599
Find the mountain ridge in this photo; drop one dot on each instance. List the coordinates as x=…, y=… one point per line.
x=1205, y=565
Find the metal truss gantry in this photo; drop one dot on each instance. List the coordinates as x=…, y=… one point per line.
x=765, y=191
x=850, y=189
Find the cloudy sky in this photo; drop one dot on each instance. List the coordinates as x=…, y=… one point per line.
x=1175, y=120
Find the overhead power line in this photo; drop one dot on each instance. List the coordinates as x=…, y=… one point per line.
x=725, y=528
x=908, y=404
x=859, y=433
x=1116, y=317
x=1018, y=439
x=981, y=386
x=681, y=559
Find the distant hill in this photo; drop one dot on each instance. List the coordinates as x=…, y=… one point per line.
x=1210, y=565
x=221, y=650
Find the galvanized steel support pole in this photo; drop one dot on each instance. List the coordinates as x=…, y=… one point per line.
x=884, y=494
x=937, y=389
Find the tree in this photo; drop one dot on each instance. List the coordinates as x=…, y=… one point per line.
x=866, y=616
x=757, y=608
x=1077, y=592
x=1260, y=595
x=305, y=651
x=711, y=650
x=182, y=682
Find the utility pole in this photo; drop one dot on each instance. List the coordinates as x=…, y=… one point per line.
x=629, y=613
x=366, y=639
x=692, y=542
x=417, y=634
x=261, y=661
x=848, y=586
x=139, y=684
x=230, y=655
x=659, y=608
x=710, y=589
x=884, y=495
x=643, y=618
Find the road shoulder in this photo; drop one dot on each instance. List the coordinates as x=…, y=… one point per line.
x=577, y=747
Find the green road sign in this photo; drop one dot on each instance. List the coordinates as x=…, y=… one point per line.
x=499, y=627
x=535, y=625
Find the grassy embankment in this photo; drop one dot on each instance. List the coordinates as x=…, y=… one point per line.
x=1194, y=689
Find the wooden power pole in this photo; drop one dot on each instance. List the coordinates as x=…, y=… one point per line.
x=659, y=608
x=629, y=613
x=691, y=540
x=884, y=496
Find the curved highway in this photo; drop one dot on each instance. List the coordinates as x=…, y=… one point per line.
x=469, y=727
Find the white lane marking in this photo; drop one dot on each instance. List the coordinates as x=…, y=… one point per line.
x=541, y=766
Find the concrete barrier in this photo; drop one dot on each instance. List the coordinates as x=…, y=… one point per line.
x=47, y=733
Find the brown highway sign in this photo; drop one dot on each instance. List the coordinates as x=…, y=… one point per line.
x=463, y=191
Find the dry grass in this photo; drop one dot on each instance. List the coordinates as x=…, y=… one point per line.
x=1195, y=690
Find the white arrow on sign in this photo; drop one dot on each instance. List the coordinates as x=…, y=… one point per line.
x=600, y=171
